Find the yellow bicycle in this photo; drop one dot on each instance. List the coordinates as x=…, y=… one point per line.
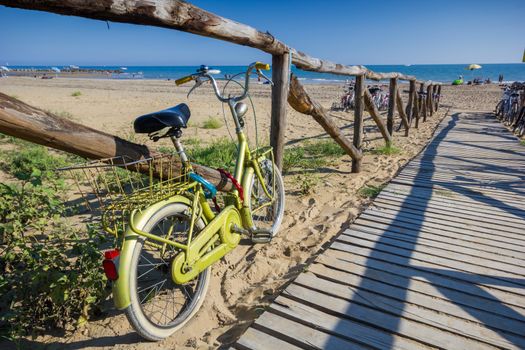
x=171, y=233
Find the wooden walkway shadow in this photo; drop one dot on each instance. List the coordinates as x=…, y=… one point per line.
x=437, y=261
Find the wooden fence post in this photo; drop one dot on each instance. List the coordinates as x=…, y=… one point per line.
x=410, y=103
x=391, y=106
x=434, y=98
x=422, y=102
x=281, y=81
x=430, y=106
x=437, y=91
x=415, y=108
x=359, y=105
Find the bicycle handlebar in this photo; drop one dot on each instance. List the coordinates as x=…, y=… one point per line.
x=204, y=72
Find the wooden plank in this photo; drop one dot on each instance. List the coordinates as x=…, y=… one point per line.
x=447, y=196
x=421, y=292
x=359, y=105
x=433, y=253
x=410, y=307
x=446, y=209
x=344, y=328
x=391, y=106
x=423, y=221
x=470, y=221
x=257, y=340
x=510, y=248
x=465, y=272
x=388, y=322
x=281, y=85
x=435, y=240
x=438, y=277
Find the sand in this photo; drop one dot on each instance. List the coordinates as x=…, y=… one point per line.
x=246, y=280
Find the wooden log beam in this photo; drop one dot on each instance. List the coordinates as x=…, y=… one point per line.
x=359, y=103
x=401, y=112
x=281, y=80
x=391, y=106
x=374, y=113
x=186, y=17
x=35, y=125
x=299, y=99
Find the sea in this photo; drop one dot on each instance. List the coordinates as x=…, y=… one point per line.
x=445, y=73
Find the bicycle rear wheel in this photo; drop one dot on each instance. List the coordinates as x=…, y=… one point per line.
x=159, y=307
x=266, y=213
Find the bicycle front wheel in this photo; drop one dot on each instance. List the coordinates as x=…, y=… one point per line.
x=267, y=213
x=159, y=307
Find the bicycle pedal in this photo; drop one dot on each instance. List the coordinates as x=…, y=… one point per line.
x=261, y=236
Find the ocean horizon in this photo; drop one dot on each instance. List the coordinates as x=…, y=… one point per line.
x=445, y=73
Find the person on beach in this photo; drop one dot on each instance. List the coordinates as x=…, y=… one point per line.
x=500, y=78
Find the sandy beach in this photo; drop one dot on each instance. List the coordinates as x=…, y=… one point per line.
x=246, y=280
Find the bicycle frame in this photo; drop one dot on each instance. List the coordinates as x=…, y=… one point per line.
x=219, y=235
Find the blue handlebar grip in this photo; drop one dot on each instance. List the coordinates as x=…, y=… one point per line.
x=209, y=189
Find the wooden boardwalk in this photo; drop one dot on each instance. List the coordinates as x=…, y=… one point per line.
x=437, y=261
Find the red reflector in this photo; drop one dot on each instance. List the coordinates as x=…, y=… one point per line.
x=110, y=264
x=110, y=269
x=111, y=254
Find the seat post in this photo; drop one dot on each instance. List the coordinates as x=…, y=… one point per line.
x=178, y=145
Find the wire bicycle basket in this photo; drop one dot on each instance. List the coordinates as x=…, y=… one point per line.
x=113, y=187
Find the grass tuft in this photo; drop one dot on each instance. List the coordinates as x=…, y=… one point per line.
x=212, y=123
x=370, y=191
x=307, y=182
x=311, y=155
x=522, y=142
x=220, y=153
x=387, y=150
x=76, y=94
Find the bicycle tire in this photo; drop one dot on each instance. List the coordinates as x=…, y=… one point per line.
x=255, y=192
x=143, y=323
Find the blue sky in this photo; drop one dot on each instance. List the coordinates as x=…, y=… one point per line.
x=350, y=32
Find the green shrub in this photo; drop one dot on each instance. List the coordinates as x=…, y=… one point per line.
x=26, y=207
x=212, y=123
x=76, y=93
x=34, y=162
x=54, y=281
x=50, y=274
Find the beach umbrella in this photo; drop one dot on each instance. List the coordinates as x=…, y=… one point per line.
x=55, y=69
x=473, y=66
x=4, y=68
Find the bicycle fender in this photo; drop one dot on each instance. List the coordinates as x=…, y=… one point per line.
x=121, y=293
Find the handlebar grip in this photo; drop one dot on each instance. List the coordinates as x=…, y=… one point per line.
x=183, y=80
x=263, y=66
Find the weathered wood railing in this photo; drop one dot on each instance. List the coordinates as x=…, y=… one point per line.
x=183, y=16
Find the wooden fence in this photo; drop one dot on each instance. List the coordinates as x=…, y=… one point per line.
x=183, y=16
